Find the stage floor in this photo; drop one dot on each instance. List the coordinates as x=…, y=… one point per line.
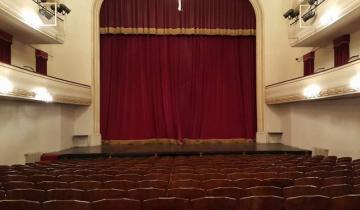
x=176, y=150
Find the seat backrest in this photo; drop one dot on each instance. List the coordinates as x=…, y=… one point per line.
x=18, y=185
x=336, y=180
x=165, y=203
x=347, y=202
x=153, y=183
x=261, y=203
x=188, y=193
x=213, y=183
x=208, y=176
x=187, y=183
x=146, y=193
x=66, y=194
x=157, y=176
x=277, y=182
x=42, y=178
x=100, y=177
x=213, y=203
x=316, y=181
x=113, y=204
x=247, y=182
x=120, y=184
x=98, y=194
x=68, y=205
x=291, y=174
x=2, y=195
x=182, y=176
x=26, y=194
x=308, y=202
x=130, y=177
x=19, y=204
x=239, y=175
x=356, y=189
x=264, y=190
x=336, y=190
x=232, y=192
x=299, y=190
x=71, y=178
x=85, y=185
x=47, y=185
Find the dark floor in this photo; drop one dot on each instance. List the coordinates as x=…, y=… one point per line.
x=173, y=150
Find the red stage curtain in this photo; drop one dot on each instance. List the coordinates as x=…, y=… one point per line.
x=198, y=87
x=41, y=62
x=342, y=50
x=206, y=17
x=309, y=60
x=5, y=47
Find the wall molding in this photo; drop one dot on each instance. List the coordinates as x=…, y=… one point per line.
x=334, y=83
x=24, y=82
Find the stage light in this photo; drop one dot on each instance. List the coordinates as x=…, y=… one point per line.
x=288, y=13
x=312, y=2
x=308, y=15
x=355, y=82
x=61, y=8
x=41, y=94
x=312, y=91
x=6, y=86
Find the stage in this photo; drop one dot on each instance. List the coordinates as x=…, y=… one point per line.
x=105, y=151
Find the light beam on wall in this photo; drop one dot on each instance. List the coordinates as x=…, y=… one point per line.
x=355, y=82
x=330, y=16
x=312, y=91
x=41, y=94
x=6, y=86
x=31, y=18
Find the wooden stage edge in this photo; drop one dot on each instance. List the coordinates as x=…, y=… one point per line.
x=148, y=150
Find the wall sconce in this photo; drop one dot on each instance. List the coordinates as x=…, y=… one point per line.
x=355, y=82
x=312, y=91
x=41, y=94
x=6, y=86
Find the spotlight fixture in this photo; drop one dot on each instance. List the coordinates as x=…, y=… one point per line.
x=308, y=15
x=61, y=8
x=291, y=13
x=312, y=2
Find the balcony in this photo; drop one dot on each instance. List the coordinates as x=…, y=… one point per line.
x=22, y=19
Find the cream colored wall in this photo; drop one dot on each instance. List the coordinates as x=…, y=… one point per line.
x=30, y=127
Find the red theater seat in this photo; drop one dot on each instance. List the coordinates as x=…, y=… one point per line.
x=213, y=183
x=85, y=185
x=261, y=203
x=188, y=183
x=120, y=184
x=165, y=204
x=146, y=193
x=348, y=202
x=68, y=205
x=308, y=202
x=66, y=194
x=316, y=181
x=19, y=185
x=26, y=194
x=2, y=195
x=264, y=190
x=188, y=193
x=19, y=205
x=99, y=194
x=277, y=182
x=114, y=204
x=213, y=203
x=232, y=192
x=129, y=177
x=47, y=185
x=247, y=182
x=300, y=190
x=153, y=183
x=336, y=190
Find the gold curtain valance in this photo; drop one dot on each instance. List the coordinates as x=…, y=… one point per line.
x=179, y=31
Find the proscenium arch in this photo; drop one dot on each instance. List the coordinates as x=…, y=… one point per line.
x=261, y=137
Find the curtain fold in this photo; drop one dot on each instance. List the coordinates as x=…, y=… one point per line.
x=5, y=47
x=309, y=60
x=41, y=61
x=341, y=50
x=178, y=87
x=161, y=17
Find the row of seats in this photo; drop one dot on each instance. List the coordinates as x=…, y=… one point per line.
x=350, y=202
x=186, y=193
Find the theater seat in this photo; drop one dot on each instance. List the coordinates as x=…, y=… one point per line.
x=308, y=202
x=213, y=203
x=114, y=204
x=100, y=177
x=316, y=181
x=26, y=194
x=232, y=192
x=214, y=183
x=71, y=178
x=146, y=193
x=264, y=190
x=19, y=205
x=187, y=183
x=42, y=178
x=85, y=185
x=99, y=194
x=336, y=190
x=348, y=202
x=261, y=203
x=129, y=177
x=66, y=205
x=19, y=185
x=336, y=180
x=165, y=204
x=300, y=190
x=120, y=184
x=188, y=193
x=2, y=195
x=47, y=185
x=66, y=194
x=247, y=182
x=153, y=183
x=277, y=182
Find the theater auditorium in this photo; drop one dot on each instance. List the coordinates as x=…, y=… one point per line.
x=179, y=104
